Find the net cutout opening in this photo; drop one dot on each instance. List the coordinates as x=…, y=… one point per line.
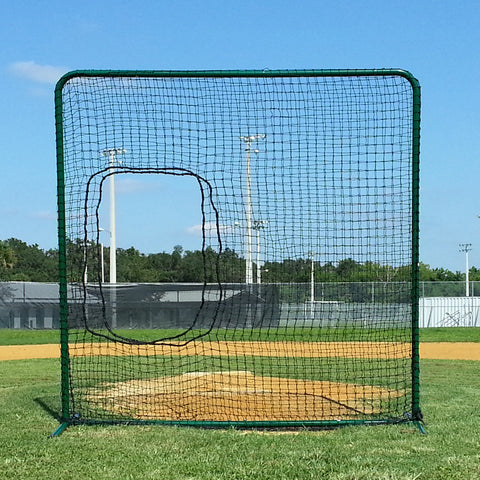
x=99, y=320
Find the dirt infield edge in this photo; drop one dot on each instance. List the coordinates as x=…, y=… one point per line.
x=437, y=351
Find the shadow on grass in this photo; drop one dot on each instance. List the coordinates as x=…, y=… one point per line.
x=50, y=405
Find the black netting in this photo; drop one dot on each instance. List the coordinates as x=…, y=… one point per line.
x=301, y=307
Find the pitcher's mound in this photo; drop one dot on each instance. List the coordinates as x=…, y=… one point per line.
x=238, y=396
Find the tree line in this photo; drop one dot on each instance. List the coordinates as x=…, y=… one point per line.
x=22, y=262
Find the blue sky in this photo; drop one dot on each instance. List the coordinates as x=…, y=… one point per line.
x=437, y=41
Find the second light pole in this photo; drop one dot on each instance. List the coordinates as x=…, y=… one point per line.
x=248, y=207
x=466, y=247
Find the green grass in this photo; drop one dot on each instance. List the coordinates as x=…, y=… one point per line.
x=452, y=334
x=29, y=400
x=10, y=336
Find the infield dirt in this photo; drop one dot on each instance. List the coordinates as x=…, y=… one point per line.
x=238, y=396
x=439, y=351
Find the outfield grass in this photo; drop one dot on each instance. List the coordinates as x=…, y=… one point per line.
x=29, y=400
x=448, y=334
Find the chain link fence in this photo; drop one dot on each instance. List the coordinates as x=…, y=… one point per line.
x=29, y=305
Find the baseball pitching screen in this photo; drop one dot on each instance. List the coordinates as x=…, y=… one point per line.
x=297, y=305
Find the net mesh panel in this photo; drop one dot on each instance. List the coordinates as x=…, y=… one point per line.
x=296, y=177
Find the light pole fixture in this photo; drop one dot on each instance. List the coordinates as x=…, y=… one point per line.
x=249, y=139
x=112, y=153
x=466, y=247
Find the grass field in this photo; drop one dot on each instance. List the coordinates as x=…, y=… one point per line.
x=449, y=334
x=29, y=405
x=29, y=402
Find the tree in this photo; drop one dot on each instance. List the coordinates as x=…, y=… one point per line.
x=161, y=266
x=426, y=273
x=348, y=270
x=232, y=267
x=23, y=262
x=474, y=274
x=30, y=262
x=132, y=266
x=7, y=261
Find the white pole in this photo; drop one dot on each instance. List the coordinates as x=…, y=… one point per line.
x=85, y=274
x=102, y=263
x=467, y=289
x=248, y=208
x=248, y=213
x=111, y=152
x=466, y=247
x=312, y=287
x=258, y=225
x=85, y=259
x=113, y=235
x=259, y=274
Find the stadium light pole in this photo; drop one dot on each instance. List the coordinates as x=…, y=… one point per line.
x=257, y=226
x=312, y=286
x=249, y=139
x=102, y=263
x=85, y=270
x=111, y=153
x=466, y=247
x=102, y=259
